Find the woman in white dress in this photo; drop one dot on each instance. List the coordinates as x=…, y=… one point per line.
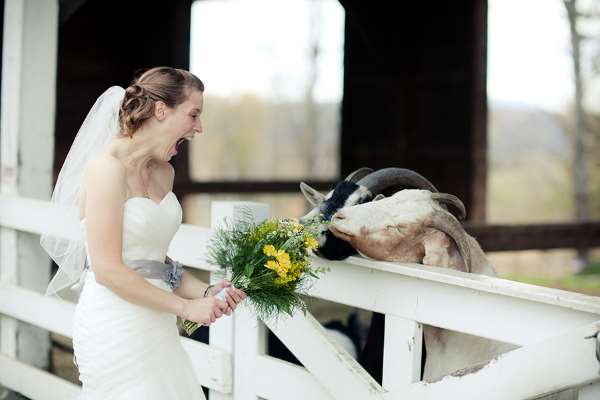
x=125, y=338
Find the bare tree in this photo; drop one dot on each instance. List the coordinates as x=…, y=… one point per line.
x=580, y=163
x=311, y=127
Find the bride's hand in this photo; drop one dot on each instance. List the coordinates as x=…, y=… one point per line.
x=204, y=310
x=234, y=296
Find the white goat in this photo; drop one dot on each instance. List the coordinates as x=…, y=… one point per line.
x=412, y=226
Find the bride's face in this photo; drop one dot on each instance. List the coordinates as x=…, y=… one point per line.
x=180, y=123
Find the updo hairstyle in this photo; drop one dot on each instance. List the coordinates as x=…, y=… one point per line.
x=169, y=85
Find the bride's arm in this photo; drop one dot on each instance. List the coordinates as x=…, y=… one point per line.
x=190, y=287
x=134, y=288
x=105, y=182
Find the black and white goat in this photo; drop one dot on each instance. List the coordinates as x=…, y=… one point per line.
x=361, y=186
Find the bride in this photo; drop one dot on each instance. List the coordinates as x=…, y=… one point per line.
x=117, y=175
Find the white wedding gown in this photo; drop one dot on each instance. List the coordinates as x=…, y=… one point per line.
x=125, y=351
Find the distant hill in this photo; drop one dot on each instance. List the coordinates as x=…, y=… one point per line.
x=529, y=170
x=518, y=133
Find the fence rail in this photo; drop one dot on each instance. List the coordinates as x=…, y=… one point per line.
x=235, y=364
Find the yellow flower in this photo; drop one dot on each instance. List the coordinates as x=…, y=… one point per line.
x=271, y=264
x=296, y=270
x=277, y=267
x=287, y=270
x=269, y=250
x=311, y=243
x=283, y=259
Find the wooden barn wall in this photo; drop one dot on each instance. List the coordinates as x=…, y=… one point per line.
x=414, y=92
x=102, y=43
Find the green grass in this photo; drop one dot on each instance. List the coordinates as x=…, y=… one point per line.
x=592, y=269
x=587, y=283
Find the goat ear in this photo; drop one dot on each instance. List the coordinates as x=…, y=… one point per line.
x=313, y=196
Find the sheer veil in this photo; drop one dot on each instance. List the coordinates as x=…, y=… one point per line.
x=99, y=128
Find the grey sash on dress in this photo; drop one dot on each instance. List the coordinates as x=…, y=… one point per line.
x=170, y=272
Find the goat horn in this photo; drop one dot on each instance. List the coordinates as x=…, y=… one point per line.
x=385, y=178
x=447, y=198
x=447, y=223
x=358, y=174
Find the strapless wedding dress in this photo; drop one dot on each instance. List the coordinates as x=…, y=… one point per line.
x=125, y=351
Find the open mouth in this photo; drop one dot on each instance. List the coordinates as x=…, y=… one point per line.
x=180, y=142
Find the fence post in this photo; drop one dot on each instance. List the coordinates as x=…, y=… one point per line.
x=30, y=38
x=590, y=392
x=402, y=347
x=242, y=334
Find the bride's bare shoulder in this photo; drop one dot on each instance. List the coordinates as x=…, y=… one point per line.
x=104, y=169
x=104, y=180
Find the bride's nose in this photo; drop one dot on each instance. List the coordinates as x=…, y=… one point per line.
x=198, y=127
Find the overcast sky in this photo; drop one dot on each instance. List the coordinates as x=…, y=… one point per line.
x=528, y=53
x=261, y=46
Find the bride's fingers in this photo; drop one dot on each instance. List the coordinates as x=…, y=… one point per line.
x=221, y=305
x=234, y=295
x=238, y=295
x=230, y=301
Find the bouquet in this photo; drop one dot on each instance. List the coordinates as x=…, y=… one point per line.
x=268, y=261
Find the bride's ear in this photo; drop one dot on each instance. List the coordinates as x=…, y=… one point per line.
x=160, y=110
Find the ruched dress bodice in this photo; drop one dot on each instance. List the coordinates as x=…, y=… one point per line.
x=148, y=227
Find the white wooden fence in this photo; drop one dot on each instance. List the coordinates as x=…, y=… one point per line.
x=549, y=325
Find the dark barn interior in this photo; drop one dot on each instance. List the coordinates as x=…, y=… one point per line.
x=414, y=84
x=98, y=48
x=414, y=93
